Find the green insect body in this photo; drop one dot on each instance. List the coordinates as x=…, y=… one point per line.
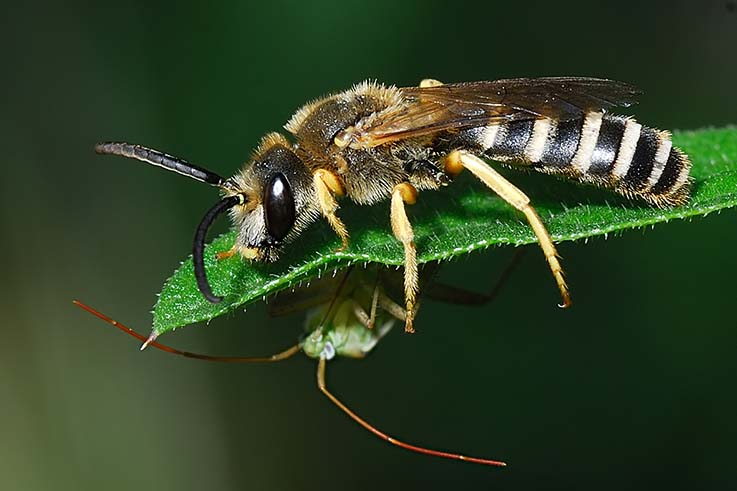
x=343, y=333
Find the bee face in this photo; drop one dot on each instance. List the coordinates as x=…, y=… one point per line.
x=279, y=200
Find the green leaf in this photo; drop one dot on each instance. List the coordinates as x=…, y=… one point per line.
x=450, y=222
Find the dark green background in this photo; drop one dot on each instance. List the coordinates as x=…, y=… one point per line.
x=632, y=388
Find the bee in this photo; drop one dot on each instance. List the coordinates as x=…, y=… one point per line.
x=347, y=315
x=375, y=142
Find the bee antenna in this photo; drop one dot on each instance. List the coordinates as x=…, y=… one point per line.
x=198, y=248
x=160, y=159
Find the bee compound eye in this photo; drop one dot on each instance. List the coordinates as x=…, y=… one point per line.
x=279, y=207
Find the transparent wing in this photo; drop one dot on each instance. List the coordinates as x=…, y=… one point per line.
x=430, y=110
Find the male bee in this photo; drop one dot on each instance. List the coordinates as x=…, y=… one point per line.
x=376, y=142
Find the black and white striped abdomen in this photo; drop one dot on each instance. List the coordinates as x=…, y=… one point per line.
x=601, y=149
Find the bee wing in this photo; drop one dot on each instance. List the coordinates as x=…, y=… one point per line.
x=465, y=105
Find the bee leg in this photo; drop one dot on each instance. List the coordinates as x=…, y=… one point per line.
x=326, y=185
x=227, y=254
x=394, y=309
x=457, y=160
x=430, y=82
x=401, y=194
x=245, y=252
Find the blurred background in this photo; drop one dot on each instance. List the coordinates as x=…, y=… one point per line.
x=632, y=388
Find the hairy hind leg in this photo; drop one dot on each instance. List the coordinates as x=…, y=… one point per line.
x=406, y=193
x=458, y=160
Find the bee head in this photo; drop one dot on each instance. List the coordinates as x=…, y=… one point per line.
x=279, y=199
x=270, y=201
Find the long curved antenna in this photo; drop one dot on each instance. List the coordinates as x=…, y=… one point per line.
x=283, y=355
x=180, y=166
x=159, y=159
x=446, y=455
x=198, y=247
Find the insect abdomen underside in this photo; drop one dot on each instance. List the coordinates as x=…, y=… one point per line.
x=602, y=149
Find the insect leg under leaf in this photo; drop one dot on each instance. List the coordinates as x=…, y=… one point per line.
x=322, y=385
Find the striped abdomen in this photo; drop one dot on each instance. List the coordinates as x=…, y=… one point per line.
x=601, y=149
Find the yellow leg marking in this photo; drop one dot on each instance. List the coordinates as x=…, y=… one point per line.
x=326, y=185
x=509, y=193
x=250, y=253
x=430, y=82
x=333, y=183
x=227, y=254
x=452, y=164
x=406, y=193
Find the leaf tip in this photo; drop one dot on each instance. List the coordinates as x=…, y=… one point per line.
x=151, y=338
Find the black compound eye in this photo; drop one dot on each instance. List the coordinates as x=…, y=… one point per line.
x=279, y=207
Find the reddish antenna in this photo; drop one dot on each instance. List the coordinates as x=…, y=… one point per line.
x=283, y=355
x=437, y=453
